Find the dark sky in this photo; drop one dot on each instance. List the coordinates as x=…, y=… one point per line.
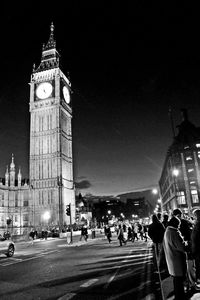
x=128, y=62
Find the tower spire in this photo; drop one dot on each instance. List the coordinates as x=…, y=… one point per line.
x=50, y=56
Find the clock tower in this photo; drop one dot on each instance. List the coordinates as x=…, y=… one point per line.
x=51, y=162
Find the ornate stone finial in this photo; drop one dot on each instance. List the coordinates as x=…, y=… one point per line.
x=33, y=67
x=12, y=165
x=52, y=27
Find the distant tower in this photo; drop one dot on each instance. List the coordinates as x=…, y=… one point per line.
x=19, y=178
x=12, y=172
x=51, y=164
x=7, y=177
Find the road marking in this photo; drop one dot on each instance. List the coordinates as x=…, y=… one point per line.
x=67, y=296
x=88, y=283
x=20, y=260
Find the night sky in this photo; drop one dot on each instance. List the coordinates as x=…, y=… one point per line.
x=128, y=63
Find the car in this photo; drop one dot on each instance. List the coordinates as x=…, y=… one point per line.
x=7, y=247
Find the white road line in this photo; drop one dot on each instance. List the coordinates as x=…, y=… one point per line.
x=19, y=260
x=67, y=296
x=90, y=282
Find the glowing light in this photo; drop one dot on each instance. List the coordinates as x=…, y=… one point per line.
x=175, y=172
x=46, y=215
x=155, y=191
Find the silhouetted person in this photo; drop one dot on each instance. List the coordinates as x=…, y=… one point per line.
x=156, y=233
x=174, y=248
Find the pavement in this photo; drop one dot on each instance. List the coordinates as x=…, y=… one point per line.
x=167, y=291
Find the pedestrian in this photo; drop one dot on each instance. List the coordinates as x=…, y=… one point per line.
x=156, y=233
x=174, y=248
x=120, y=235
x=165, y=220
x=130, y=233
x=108, y=233
x=145, y=232
x=195, y=240
x=141, y=231
x=84, y=233
x=45, y=234
x=125, y=232
x=32, y=236
x=185, y=227
x=135, y=231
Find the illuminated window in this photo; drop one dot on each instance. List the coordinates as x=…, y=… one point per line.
x=198, y=154
x=181, y=197
x=190, y=170
x=198, y=145
x=188, y=158
x=186, y=147
x=192, y=182
x=195, y=198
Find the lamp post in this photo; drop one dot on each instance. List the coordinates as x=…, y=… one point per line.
x=175, y=173
x=156, y=191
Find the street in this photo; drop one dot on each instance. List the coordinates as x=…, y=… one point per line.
x=85, y=270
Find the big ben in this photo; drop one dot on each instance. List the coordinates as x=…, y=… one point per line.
x=51, y=161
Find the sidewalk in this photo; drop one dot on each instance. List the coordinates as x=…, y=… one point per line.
x=167, y=289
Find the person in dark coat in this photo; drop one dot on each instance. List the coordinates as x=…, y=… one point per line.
x=120, y=235
x=156, y=233
x=195, y=240
x=165, y=220
x=108, y=233
x=185, y=227
x=174, y=248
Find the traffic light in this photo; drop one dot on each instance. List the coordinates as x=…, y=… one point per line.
x=8, y=221
x=68, y=210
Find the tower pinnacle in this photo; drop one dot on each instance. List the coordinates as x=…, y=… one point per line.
x=50, y=56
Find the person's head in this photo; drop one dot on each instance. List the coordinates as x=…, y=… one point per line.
x=177, y=213
x=174, y=222
x=159, y=215
x=155, y=219
x=197, y=215
x=165, y=218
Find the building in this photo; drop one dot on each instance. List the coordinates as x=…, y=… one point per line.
x=140, y=203
x=133, y=205
x=16, y=210
x=51, y=183
x=180, y=179
x=51, y=164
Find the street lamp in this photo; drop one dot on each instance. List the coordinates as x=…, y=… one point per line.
x=175, y=173
x=156, y=191
x=46, y=216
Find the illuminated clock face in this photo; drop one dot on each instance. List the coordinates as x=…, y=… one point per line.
x=44, y=90
x=66, y=94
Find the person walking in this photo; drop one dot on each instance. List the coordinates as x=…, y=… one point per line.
x=120, y=235
x=195, y=241
x=108, y=233
x=135, y=232
x=175, y=253
x=156, y=233
x=84, y=233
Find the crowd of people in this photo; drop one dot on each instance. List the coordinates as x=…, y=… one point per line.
x=176, y=242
